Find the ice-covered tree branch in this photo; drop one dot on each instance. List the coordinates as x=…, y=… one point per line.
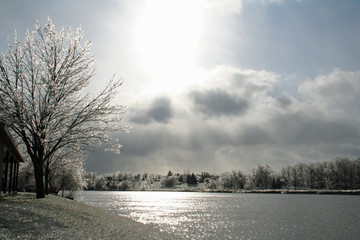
x=42, y=97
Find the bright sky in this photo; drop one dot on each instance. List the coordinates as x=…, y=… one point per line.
x=218, y=85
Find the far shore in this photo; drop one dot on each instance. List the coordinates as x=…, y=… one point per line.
x=330, y=192
x=264, y=191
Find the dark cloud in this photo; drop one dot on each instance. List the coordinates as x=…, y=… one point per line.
x=142, y=141
x=102, y=161
x=303, y=128
x=160, y=110
x=284, y=101
x=218, y=103
x=255, y=135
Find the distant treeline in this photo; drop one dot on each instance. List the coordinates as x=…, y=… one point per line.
x=341, y=174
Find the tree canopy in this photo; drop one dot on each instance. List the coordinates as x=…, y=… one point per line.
x=43, y=97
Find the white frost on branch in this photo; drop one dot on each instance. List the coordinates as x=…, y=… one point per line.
x=41, y=94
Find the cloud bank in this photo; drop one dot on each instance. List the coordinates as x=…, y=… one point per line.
x=233, y=121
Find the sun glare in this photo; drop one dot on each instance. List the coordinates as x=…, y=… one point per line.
x=168, y=35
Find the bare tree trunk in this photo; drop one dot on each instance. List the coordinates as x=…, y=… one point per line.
x=47, y=178
x=39, y=179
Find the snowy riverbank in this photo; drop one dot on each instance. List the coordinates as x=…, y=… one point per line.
x=25, y=217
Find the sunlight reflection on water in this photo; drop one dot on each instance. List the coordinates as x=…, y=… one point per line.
x=237, y=216
x=156, y=207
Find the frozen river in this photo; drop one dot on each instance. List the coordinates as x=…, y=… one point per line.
x=238, y=216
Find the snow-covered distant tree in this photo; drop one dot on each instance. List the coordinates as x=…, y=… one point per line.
x=234, y=180
x=262, y=176
x=191, y=179
x=169, y=181
x=65, y=172
x=43, y=99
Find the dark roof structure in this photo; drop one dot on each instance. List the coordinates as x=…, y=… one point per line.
x=7, y=141
x=9, y=161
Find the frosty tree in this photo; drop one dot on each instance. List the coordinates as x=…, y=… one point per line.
x=63, y=171
x=43, y=99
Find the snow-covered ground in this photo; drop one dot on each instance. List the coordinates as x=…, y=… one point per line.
x=25, y=217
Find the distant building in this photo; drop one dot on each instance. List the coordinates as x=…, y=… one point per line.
x=9, y=162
